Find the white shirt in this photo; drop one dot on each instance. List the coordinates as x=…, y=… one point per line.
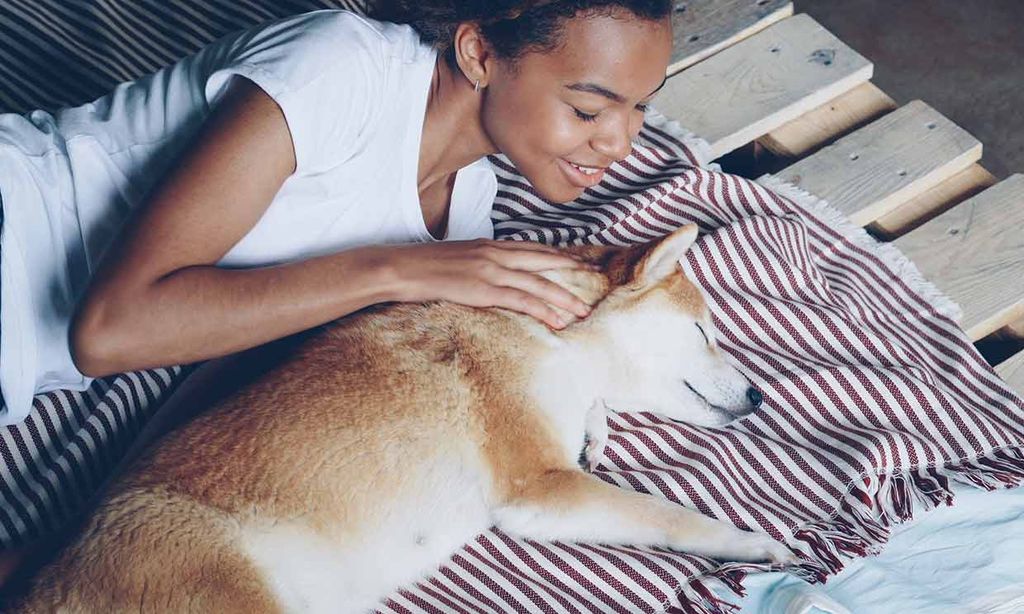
x=353, y=92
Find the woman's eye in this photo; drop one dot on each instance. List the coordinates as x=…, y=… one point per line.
x=585, y=116
x=642, y=108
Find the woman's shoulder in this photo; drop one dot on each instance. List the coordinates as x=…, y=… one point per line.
x=327, y=33
x=332, y=73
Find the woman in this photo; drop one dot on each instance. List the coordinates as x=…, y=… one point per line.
x=294, y=173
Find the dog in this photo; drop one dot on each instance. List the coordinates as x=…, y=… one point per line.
x=397, y=434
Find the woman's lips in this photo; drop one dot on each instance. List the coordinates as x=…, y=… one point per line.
x=577, y=177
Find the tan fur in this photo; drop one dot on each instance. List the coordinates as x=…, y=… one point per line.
x=345, y=430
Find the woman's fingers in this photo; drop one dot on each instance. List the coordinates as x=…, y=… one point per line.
x=547, y=291
x=532, y=260
x=526, y=245
x=525, y=302
x=529, y=246
x=492, y=273
x=535, y=262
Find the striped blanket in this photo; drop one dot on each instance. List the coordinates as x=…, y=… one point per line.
x=875, y=401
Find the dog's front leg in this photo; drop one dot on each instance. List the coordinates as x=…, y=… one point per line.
x=569, y=505
x=597, y=435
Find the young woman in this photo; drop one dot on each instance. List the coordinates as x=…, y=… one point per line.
x=296, y=172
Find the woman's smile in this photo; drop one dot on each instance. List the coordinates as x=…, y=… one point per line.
x=581, y=176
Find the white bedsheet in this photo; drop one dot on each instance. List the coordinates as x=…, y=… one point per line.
x=968, y=558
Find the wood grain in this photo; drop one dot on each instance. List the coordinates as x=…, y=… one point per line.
x=762, y=82
x=828, y=122
x=873, y=171
x=934, y=202
x=1012, y=371
x=975, y=254
x=702, y=28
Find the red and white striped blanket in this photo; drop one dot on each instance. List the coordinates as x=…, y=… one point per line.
x=874, y=399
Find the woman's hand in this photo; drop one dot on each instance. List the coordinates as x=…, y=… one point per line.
x=485, y=273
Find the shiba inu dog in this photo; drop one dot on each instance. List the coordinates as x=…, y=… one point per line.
x=395, y=435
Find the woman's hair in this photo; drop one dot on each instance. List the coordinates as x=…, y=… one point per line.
x=512, y=27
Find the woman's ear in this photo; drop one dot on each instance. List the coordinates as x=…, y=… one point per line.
x=473, y=54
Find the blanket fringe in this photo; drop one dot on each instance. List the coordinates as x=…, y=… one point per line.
x=889, y=254
x=700, y=597
x=700, y=148
x=863, y=524
x=822, y=210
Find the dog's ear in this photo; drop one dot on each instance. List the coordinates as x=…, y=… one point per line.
x=662, y=257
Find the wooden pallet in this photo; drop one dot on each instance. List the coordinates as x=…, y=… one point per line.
x=752, y=77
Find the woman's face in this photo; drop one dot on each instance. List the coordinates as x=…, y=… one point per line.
x=580, y=105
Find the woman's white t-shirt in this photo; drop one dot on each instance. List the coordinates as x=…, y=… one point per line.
x=353, y=92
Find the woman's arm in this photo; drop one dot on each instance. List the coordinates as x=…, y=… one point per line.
x=156, y=298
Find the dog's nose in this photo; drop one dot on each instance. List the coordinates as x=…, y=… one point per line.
x=755, y=397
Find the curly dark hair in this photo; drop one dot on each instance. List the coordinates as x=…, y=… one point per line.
x=512, y=27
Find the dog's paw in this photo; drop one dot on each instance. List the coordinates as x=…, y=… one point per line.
x=592, y=454
x=761, y=547
x=727, y=543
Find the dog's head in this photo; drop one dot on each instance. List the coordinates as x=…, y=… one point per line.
x=652, y=323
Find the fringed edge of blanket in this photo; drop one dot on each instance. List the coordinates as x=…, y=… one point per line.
x=886, y=252
x=862, y=525
x=822, y=210
x=699, y=147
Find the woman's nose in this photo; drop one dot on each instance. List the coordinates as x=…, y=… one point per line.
x=615, y=142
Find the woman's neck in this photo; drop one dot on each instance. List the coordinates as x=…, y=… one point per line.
x=453, y=134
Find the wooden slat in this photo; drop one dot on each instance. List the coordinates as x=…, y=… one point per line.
x=935, y=201
x=702, y=28
x=762, y=82
x=1012, y=370
x=975, y=254
x=873, y=171
x=831, y=120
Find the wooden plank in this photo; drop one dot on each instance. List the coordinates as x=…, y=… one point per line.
x=761, y=83
x=1012, y=370
x=835, y=118
x=934, y=202
x=874, y=170
x=975, y=254
x=702, y=28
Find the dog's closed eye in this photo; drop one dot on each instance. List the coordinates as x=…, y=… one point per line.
x=701, y=329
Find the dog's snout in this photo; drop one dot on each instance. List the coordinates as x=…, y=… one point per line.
x=755, y=397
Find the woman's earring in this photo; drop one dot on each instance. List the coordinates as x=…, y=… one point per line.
x=476, y=86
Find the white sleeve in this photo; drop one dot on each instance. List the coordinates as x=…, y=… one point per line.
x=480, y=185
x=484, y=228
x=325, y=70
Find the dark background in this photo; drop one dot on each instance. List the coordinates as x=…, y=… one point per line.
x=965, y=58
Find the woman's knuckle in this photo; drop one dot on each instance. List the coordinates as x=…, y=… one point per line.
x=526, y=302
x=489, y=269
